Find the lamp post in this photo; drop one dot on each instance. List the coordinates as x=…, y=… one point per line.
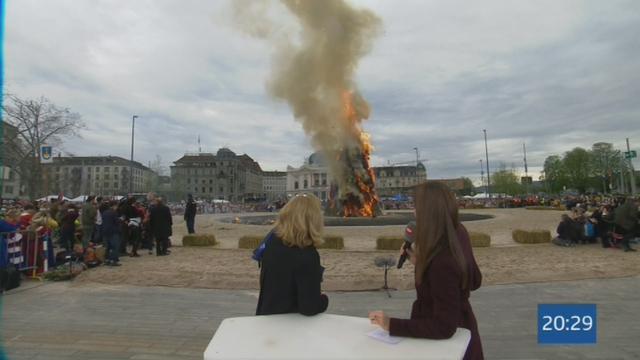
x=486, y=151
x=133, y=127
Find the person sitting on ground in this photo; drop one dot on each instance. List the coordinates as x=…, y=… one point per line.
x=565, y=231
x=291, y=273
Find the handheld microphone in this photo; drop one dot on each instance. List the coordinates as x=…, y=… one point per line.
x=409, y=238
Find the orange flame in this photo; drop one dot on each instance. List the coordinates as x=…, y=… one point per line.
x=364, y=203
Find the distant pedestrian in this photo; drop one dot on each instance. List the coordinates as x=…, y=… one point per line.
x=111, y=232
x=160, y=224
x=88, y=221
x=190, y=214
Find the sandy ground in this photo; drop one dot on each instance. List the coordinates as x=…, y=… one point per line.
x=352, y=269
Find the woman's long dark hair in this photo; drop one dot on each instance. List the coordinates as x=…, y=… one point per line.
x=437, y=228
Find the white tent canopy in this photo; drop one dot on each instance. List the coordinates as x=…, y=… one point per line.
x=79, y=199
x=55, y=197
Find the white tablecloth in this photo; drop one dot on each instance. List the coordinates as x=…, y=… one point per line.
x=324, y=336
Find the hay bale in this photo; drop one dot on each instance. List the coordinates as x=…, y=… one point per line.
x=543, y=208
x=389, y=242
x=479, y=239
x=531, y=236
x=250, y=241
x=332, y=242
x=199, y=240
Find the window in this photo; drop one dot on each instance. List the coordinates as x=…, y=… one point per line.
x=107, y=169
x=97, y=169
x=210, y=189
x=210, y=181
x=203, y=190
x=115, y=185
x=8, y=189
x=188, y=181
x=97, y=176
x=221, y=189
x=116, y=168
x=306, y=184
x=295, y=185
x=204, y=181
x=106, y=185
x=115, y=176
x=106, y=176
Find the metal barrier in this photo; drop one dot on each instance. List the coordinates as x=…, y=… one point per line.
x=24, y=249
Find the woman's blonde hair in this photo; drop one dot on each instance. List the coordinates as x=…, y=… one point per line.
x=300, y=222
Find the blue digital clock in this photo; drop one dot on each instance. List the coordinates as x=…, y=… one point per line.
x=567, y=324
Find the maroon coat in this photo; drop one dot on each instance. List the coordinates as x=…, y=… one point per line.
x=442, y=306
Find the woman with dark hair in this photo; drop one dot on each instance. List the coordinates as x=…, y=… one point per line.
x=445, y=270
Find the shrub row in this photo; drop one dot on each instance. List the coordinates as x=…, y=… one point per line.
x=545, y=208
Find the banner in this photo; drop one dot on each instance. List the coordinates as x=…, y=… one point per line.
x=46, y=154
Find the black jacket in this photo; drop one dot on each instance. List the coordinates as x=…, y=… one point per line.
x=290, y=280
x=110, y=223
x=190, y=210
x=160, y=221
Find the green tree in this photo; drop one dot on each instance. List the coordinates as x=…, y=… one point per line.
x=505, y=181
x=555, y=175
x=577, y=165
x=605, y=160
x=467, y=187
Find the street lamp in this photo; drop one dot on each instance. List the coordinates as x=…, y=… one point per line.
x=133, y=126
x=486, y=151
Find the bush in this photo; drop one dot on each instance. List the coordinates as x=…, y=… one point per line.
x=389, y=242
x=332, y=242
x=199, y=240
x=531, y=236
x=480, y=239
x=250, y=241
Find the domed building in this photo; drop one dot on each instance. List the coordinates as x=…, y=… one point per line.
x=312, y=177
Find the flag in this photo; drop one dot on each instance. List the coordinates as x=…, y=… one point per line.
x=46, y=154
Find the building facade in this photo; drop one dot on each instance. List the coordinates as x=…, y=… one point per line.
x=312, y=177
x=395, y=180
x=10, y=186
x=100, y=175
x=224, y=176
x=274, y=185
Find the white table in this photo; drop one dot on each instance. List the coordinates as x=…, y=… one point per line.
x=324, y=336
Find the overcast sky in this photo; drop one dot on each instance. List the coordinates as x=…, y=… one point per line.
x=553, y=74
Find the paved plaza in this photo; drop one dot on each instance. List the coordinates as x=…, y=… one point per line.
x=88, y=321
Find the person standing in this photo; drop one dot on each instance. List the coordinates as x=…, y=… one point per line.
x=160, y=223
x=97, y=234
x=626, y=220
x=445, y=270
x=111, y=233
x=190, y=214
x=68, y=227
x=88, y=221
x=290, y=273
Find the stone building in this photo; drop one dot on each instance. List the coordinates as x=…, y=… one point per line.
x=394, y=180
x=101, y=175
x=312, y=177
x=225, y=176
x=10, y=186
x=274, y=185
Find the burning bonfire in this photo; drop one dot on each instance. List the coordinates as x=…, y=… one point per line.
x=354, y=177
x=313, y=72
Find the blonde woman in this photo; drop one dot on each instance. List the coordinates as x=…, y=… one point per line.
x=291, y=274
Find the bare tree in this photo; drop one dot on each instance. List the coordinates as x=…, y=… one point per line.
x=38, y=122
